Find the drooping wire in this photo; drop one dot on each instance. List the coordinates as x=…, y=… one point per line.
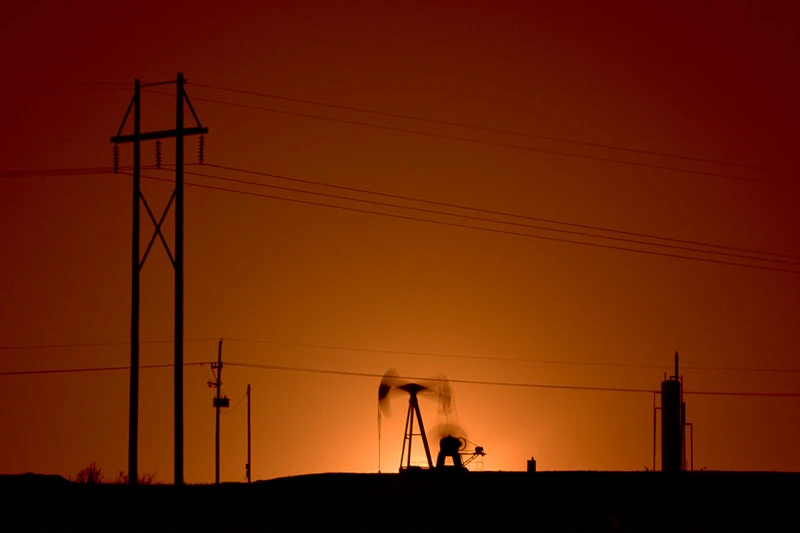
x=89, y=369
x=493, y=212
x=484, y=219
x=499, y=358
x=491, y=129
x=479, y=228
x=460, y=138
x=371, y=375
x=116, y=158
x=209, y=379
x=232, y=409
x=201, y=149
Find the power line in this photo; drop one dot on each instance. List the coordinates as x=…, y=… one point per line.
x=511, y=384
x=232, y=409
x=484, y=142
x=86, y=171
x=92, y=344
x=496, y=212
x=108, y=170
x=88, y=369
x=509, y=359
x=466, y=226
x=482, y=219
x=57, y=172
x=403, y=352
x=413, y=378
x=490, y=129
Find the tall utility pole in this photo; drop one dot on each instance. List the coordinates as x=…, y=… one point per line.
x=219, y=402
x=138, y=260
x=249, y=466
x=178, y=323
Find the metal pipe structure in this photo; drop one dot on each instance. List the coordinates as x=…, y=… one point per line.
x=655, y=410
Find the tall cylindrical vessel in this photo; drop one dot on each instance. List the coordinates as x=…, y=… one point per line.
x=671, y=429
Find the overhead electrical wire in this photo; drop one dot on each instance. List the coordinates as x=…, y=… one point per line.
x=406, y=352
x=466, y=226
x=238, y=402
x=43, y=173
x=511, y=359
x=508, y=383
x=487, y=129
x=481, y=141
x=87, y=369
x=483, y=219
x=415, y=378
x=109, y=170
x=493, y=212
x=12, y=347
x=78, y=171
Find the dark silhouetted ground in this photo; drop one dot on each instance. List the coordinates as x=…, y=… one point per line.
x=474, y=501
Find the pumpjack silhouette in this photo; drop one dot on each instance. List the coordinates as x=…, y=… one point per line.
x=452, y=438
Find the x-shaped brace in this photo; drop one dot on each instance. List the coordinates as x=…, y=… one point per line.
x=157, y=231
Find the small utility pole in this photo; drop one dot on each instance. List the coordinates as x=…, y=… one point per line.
x=219, y=402
x=248, y=468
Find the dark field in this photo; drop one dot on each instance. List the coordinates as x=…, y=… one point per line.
x=474, y=501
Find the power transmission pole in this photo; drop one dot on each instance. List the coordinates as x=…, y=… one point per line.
x=137, y=262
x=219, y=402
x=248, y=466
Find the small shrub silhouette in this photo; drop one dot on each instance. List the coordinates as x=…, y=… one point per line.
x=144, y=478
x=91, y=474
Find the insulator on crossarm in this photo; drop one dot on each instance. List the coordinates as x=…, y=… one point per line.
x=201, y=149
x=116, y=158
x=158, y=153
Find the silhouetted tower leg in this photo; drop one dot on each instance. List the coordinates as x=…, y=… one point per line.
x=422, y=432
x=414, y=411
x=133, y=408
x=179, y=283
x=407, y=436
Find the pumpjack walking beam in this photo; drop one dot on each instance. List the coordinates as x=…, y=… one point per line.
x=137, y=262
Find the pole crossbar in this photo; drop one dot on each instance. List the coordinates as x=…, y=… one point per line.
x=162, y=134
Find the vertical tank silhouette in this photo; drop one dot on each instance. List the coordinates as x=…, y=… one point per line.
x=673, y=412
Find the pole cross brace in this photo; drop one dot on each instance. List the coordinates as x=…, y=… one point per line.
x=157, y=231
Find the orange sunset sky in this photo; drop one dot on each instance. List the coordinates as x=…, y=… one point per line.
x=713, y=81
